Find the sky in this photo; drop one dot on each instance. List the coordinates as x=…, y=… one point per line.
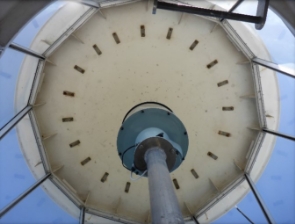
x=276, y=185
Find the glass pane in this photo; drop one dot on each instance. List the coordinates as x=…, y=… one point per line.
x=228, y=4
x=17, y=72
x=38, y=207
x=276, y=185
x=28, y=33
x=15, y=175
x=249, y=207
x=279, y=102
x=54, y=21
x=287, y=103
x=233, y=216
x=277, y=38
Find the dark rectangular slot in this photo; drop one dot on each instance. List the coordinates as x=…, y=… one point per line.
x=175, y=184
x=116, y=38
x=227, y=108
x=104, y=177
x=68, y=93
x=213, y=156
x=212, y=64
x=74, y=143
x=98, y=51
x=194, y=173
x=142, y=31
x=169, y=34
x=67, y=119
x=85, y=161
x=194, y=44
x=127, y=187
x=224, y=133
x=79, y=69
x=222, y=83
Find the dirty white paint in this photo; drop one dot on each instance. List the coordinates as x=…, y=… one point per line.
x=140, y=69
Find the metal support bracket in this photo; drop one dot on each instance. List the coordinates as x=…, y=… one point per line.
x=259, y=19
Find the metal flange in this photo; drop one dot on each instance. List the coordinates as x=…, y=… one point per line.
x=149, y=143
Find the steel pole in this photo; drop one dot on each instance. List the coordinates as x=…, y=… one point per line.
x=164, y=204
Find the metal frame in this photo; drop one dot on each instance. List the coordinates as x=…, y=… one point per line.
x=259, y=19
x=259, y=95
x=233, y=7
x=275, y=67
x=22, y=196
x=82, y=215
x=25, y=50
x=109, y=217
x=11, y=123
x=39, y=142
x=79, y=22
x=36, y=82
x=221, y=195
x=254, y=151
x=90, y=3
x=28, y=110
x=289, y=137
x=245, y=216
x=259, y=199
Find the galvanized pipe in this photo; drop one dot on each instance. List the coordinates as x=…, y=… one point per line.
x=163, y=201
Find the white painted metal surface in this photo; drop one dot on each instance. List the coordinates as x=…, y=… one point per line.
x=150, y=68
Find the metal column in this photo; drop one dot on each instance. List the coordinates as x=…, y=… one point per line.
x=163, y=200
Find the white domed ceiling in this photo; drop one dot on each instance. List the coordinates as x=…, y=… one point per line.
x=129, y=57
